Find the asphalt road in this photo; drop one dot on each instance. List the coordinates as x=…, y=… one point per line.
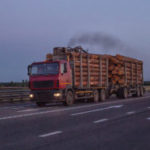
x=114, y=125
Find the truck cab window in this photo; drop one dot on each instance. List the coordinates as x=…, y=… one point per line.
x=44, y=69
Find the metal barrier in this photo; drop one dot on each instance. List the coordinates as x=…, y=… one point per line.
x=14, y=94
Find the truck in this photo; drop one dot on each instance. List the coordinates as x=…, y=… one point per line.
x=71, y=74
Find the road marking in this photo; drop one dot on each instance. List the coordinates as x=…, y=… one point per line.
x=101, y=120
x=27, y=110
x=67, y=109
x=96, y=110
x=130, y=112
x=45, y=112
x=50, y=134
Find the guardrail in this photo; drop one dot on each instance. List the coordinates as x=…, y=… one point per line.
x=14, y=94
x=147, y=88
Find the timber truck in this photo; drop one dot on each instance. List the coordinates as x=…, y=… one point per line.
x=71, y=74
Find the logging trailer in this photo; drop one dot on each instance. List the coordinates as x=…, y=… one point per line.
x=71, y=74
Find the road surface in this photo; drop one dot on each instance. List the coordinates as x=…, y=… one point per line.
x=114, y=125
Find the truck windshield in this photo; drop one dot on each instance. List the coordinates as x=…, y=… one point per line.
x=44, y=69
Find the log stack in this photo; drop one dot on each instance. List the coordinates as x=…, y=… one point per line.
x=94, y=70
x=90, y=70
x=125, y=70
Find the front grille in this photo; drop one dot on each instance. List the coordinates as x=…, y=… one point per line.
x=43, y=84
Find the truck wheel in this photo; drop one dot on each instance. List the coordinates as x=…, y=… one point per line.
x=119, y=93
x=96, y=96
x=40, y=104
x=102, y=95
x=138, y=92
x=141, y=91
x=124, y=93
x=69, y=99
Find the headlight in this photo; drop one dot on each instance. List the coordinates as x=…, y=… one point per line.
x=57, y=94
x=31, y=95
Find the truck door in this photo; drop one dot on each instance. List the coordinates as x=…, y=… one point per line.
x=65, y=75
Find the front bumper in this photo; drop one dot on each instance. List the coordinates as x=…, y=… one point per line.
x=47, y=96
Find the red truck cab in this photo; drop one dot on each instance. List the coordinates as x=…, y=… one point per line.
x=49, y=80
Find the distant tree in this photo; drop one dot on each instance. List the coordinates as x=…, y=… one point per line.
x=22, y=83
x=11, y=83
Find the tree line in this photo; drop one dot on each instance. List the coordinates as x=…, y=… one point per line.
x=23, y=83
x=146, y=83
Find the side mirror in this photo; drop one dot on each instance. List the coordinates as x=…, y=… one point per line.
x=63, y=68
x=29, y=70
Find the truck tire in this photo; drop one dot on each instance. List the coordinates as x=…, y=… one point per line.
x=138, y=92
x=102, y=95
x=119, y=93
x=69, y=99
x=122, y=93
x=40, y=104
x=141, y=91
x=96, y=96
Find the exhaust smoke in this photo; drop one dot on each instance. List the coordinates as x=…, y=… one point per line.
x=98, y=40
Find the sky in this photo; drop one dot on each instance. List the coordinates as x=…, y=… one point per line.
x=29, y=29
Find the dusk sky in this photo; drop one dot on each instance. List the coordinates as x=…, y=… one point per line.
x=31, y=28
